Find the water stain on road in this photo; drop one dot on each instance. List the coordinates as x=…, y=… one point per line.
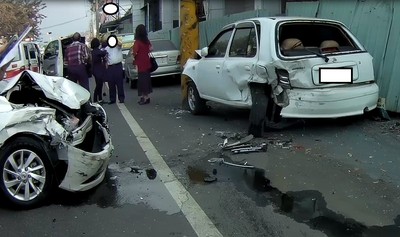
x=124, y=184
x=308, y=206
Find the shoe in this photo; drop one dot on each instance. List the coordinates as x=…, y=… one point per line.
x=141, y=100
x=147, y=101
x=111, y=102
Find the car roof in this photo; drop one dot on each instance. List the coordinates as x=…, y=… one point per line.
x=276, y=19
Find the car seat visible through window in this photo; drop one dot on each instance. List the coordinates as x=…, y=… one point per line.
x=292, y=43
x=329, y=46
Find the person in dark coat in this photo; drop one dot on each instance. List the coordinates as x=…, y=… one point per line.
x=99, y=58
x=77, y=56
x=141, y=50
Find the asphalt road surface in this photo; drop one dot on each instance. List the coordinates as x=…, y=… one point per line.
x=319, y=178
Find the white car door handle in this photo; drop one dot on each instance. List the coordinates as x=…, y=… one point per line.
x=247, y=68
x=218, y=67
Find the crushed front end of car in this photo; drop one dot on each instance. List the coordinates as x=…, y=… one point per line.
x=59, y=113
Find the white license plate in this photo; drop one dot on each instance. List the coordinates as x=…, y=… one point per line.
x=162, y=61
x=336, y=75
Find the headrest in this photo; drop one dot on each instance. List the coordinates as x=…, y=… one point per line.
x=329, y=44
x=292, y=43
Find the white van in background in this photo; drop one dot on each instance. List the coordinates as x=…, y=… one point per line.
x=28, y=58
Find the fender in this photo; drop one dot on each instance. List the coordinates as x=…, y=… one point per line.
x=190, y=69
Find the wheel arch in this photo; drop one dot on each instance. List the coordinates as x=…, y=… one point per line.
x=44, y=139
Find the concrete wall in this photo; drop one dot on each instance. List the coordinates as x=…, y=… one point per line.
x=138, y=15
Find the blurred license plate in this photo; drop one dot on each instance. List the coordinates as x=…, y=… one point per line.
x=161, y=61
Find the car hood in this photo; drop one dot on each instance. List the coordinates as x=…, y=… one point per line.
x=59, y=89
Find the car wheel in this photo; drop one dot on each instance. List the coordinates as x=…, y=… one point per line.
x=258, y=110
x=26, y=172
x=134, y=84
x=196, y=104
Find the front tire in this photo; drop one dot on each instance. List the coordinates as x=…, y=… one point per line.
x=27, y=175
x=197, y=105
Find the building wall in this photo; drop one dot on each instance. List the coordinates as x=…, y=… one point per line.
x=138, y=15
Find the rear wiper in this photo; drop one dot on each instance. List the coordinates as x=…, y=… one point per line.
x=318, y=54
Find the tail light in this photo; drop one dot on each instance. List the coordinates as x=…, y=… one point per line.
x=283, y=78
x=14, y=72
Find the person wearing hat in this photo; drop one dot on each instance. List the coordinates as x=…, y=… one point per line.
x=77, y=56
x=115, y=72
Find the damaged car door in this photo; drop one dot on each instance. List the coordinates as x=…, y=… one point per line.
x=211, y=83
x=240, y=63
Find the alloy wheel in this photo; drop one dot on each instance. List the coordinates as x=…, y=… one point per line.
x=24, y=175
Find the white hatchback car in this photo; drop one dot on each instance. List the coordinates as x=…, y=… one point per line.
x=286, y=67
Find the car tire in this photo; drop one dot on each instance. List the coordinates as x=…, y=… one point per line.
x=196, y=104
x=134, y=84
x=15, y=178
x=258, y=110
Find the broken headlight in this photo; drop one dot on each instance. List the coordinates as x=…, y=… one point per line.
x=283, y=78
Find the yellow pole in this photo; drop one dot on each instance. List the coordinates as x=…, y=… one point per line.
x=189, y=34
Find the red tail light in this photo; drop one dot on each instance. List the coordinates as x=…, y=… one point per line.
x=13, y=73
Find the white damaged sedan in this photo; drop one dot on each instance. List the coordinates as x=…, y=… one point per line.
x=50, y=135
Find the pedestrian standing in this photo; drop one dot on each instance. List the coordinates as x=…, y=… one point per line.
x=77, y=57
x=115, y=73
x=98, y=69
x=141, y=50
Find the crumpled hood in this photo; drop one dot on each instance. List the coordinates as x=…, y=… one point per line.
x=59, y=89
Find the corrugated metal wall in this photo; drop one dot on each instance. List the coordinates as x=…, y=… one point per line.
x=376, y=23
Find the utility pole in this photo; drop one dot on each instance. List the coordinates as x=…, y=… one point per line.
x=189, y=34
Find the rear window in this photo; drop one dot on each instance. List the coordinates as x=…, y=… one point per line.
x=162, y=45
x=304, y=38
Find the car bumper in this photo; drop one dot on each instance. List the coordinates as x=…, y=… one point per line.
x=160, y=72
x=331, y=102
x=86, y=169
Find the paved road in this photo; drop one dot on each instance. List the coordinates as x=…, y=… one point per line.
x=322, y=178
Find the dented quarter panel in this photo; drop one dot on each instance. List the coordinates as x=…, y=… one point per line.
x=38, y=120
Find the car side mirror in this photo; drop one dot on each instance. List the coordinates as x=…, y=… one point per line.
x=204, y=52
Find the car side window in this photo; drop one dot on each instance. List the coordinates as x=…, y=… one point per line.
x=244, y=43
x=218, y=47
x=51, y=49
x=32, y=52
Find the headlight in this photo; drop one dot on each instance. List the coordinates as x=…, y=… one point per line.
x=283, y=78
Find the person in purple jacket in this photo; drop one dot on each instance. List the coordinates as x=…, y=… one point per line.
x=99, y=63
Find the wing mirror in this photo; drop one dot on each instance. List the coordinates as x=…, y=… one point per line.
x=204, y=52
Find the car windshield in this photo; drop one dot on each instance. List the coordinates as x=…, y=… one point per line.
x=162, y=45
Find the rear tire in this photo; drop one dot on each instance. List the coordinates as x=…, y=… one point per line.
x=27, y=175
x=196, y=104
x=258, y=110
